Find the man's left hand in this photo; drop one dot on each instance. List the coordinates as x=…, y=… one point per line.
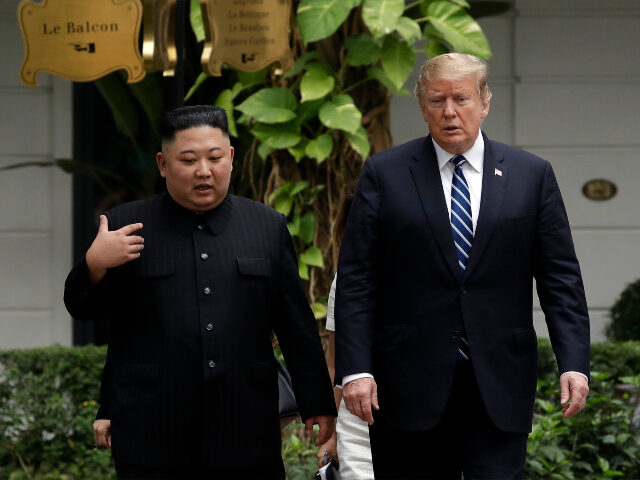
x=574, y=387
x=327, y=424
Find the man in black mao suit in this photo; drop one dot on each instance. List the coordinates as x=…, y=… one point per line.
x=434, y=328
x=195, y=281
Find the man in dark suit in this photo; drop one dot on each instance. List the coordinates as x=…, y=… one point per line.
x=434, y=327
x=195, y=281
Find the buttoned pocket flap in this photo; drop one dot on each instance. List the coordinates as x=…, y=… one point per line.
x=254, y=266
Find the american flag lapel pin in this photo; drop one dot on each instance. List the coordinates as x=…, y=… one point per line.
x=498, y=172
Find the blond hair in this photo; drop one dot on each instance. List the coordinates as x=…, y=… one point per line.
x=454, y=66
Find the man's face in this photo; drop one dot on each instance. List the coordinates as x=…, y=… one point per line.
x=453, y=110
x=197, y=165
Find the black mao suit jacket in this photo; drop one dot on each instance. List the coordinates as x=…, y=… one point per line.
x=190, y=376
x=402, y=303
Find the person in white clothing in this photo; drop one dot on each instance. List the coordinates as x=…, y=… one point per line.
x=349, y=445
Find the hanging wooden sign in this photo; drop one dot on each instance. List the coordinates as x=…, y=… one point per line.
x=80, y=40
x=247, y=34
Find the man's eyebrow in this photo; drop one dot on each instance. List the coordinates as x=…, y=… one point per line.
x=193, y=151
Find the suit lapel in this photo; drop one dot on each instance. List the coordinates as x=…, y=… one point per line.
x=494, y=180
x=426, y=176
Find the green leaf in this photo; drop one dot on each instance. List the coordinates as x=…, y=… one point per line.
x=320, y=148
x=195, y=16
x=409, y=29
x=312, y=256
x=298, y=187
x=461, y=3
x=303, y=269
x=294, y=225
x=381, y=16
x=319, y=310
x=298, y=150
x=309, y=110
x=283, y=204
x=308, y=227
x=380, y=75
x=315, y=84
x=270, y=105
x=301, y=61
x=362, y=49
x=398, y=58
x=317, y=19
x=458, y=29
x=285, y=188
x=603, y=464
x=264, y=150
x=225, y=100
x=251, y=77
x=199, y=81
x=433, y=48
x=278, y=136
x=340, y=112
x=609, y=439
x=359, y=141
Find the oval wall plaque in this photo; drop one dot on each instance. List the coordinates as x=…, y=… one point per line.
x=599, y=189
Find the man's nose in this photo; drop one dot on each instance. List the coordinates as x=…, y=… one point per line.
x=449, y=108
x=202, y=168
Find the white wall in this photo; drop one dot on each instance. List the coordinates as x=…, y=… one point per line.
x=35, y=203
x=566, y=83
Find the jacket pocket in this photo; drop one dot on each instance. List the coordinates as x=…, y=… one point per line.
x=254, y=266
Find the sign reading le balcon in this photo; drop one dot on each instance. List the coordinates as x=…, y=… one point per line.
x=80, y=40
x=246, y=34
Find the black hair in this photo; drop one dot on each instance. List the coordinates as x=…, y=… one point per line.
x=182, y=118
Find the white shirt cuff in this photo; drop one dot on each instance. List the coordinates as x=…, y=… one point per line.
x=350, y=378
x=580, y=373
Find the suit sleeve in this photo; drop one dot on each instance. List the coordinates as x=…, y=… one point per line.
x=297, y=332
x=559, y=281
x=357, y=283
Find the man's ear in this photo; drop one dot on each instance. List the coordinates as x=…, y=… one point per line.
x=485, y=109
x=232, y=151
x=162, y=164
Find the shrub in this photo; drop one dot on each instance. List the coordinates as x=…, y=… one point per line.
x=625, y=315
x=48, y=399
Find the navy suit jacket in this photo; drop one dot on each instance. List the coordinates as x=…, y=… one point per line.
x=402, y=303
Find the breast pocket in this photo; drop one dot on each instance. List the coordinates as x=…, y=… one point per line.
x=256, y=266
x=151, y=282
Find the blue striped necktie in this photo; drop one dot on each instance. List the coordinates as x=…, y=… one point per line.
x=461, y=222
x=462, y=227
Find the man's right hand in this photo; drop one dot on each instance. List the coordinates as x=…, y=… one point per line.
x=102, y=432
x=360, y=396
x=112, y=249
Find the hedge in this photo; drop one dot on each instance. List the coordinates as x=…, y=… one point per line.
x=48, y=398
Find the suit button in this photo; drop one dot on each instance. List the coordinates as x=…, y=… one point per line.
x=204, y=256
x=207, y=290
x=200, y=227
x=456, y=334
x=209, y=326
x=212, y=364
x=463, y=291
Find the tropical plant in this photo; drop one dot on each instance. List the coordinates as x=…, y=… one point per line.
x=625, y=315
x=312, y=128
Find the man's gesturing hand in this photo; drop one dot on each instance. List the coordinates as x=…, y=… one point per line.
x=112, y=249
x=359, y=396
x=573, y=386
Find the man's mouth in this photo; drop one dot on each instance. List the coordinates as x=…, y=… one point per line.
x=451, y=128
x=203, y=188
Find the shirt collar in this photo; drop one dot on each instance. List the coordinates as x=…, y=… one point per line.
x=474, y=156
x=185, y=221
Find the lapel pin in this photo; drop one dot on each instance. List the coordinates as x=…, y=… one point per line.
x=498, y=172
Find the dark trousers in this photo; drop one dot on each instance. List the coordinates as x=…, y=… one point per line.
x=193, y=472
x=465, y=441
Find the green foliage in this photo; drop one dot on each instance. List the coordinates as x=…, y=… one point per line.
x=599, y=443
x=48, y=400
x=625, y=315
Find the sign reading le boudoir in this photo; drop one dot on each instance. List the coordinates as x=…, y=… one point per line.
x=246, y=34
x=80, y=40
